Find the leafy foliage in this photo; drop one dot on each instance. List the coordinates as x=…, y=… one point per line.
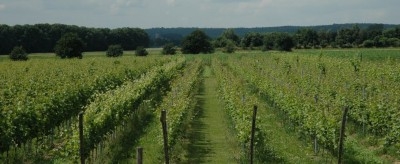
x=169, y=49
x=34, y=101
x=117, y=104
x=197, y=42
x=229, y=47
x=368, y=43
x=252, y=40
x=69, y=46
x=141, y=51
x=181, y=100
x=227, y=37
x=312, y=97
x=115, y=51
x=44, y=37
x=284, y=42
x=307, y=38
x=18, y=53
x=278, y=41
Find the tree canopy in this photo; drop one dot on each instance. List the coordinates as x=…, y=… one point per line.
x=141, y=51
x=18, y=53
x=197, y=42
x=252, y=40
x=43, y=37
x=114, y=51
x=227, y=37
x=169, y=49
x=69, y=46
x=278, y=41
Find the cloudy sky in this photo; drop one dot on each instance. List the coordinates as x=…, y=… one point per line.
x=198, y=13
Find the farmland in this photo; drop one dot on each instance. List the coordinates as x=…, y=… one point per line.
x=301, y=96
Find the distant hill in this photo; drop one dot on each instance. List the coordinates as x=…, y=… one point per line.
x=176, y=34
x=215, y=32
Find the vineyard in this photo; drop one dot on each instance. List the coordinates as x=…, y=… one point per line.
x=117, y=102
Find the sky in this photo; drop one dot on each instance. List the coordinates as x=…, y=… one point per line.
x=198, y=13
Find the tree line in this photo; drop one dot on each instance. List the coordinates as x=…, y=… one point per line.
x=373, y=35
x=161, y=36
x=44, y=37
x=354, y=37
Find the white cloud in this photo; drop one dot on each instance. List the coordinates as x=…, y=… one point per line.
x=171, y=2
x=264, y=3
x=2, y=6
x=197, y=13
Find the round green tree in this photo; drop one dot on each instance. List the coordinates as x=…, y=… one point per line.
x=229, y=47
x=18, y=53
x=226, y=37
x=169, y=49
x=69, y=46
x=114, y=51
x=197, y=42
x=284, y=42
x=141, y=51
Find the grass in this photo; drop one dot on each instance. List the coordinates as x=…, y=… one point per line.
x=210, y=138
x=207, y=138
x=367, y=53
x=374, y=54
x=92, y=54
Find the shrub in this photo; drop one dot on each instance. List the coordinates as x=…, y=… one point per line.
x=229, y=47
x=141, y=51
x=18, y=53
x=197, y=42
x=393, y=42
x=169, y=49
x=284, y=42
x=69, y=46
x=114, y=51
x=368, y=43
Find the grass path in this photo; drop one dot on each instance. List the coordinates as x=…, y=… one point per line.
x=210, y=138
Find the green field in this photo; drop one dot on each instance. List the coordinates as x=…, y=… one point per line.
x=209, y=100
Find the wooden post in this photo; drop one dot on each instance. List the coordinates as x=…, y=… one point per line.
x=163, y=120
x=315, y=135
x=81, y=139
x=253, y=129
x=315, y=145
x=342, y=134
x=139, y=155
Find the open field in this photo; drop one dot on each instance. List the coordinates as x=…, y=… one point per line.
x=367, y=53
x=209, y=100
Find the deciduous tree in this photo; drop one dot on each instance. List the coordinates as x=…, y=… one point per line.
x=18, y=53
x=169, y=49
x=115, y=51
x=141, y=51
x=69, y=46
x=197, y=42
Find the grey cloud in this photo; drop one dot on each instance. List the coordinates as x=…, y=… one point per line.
x=198, y=13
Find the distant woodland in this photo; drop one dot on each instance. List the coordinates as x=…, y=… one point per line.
x=43, y=37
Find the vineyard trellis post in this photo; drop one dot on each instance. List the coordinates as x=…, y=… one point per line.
x=81, y=142
x=316, y=149
x=163, y=120
x=253, y=128
x=139, y=153
x=342, y=134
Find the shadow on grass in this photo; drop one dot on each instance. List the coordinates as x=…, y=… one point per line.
x=122, y=150
x=199, y=147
